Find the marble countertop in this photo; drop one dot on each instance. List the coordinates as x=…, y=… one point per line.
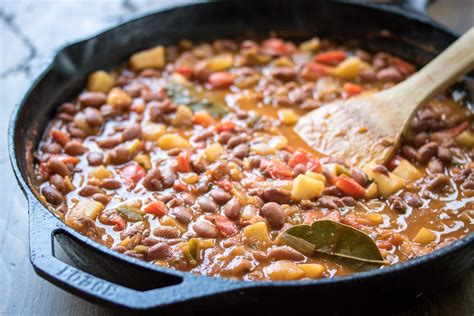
x=30, y=31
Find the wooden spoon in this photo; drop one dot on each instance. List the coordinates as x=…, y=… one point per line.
x=368, y=127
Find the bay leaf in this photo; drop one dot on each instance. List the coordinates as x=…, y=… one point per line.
x=335, y=241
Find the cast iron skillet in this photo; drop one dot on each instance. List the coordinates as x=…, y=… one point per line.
x=105, y=276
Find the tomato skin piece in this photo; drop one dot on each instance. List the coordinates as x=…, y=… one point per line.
x=180, y=186
x=276, y=169
x=184, y=161
x=349, y=186
x=185, y=71
x=331, y=57
x=224, y=126
x=221, y=80
x=157, y=208
x=278, y=47
x=132, y=174
x=224, y=225
x=314, y=71
x=302, y=157
x=352, y=89
x=118, y=221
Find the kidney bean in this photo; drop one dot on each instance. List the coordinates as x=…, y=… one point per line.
x=95, y=158
x=381, y=169
x=232, y=209
x=220, y=196
x=168, y=177
x=410, y=153
x=283, y=73
x=368, y=75
x=359, y=176
x=241, y=151
x=236, y=140
x=182, y=213
x=468, y=184
x=76, y=132
x=436, y=166
x=276, y=195
x=152, y=181
x=93, y=99
x=166, y=232
x=420, y=139
x=93, y=117
x=65, y=117
x=389, y=74
x=330, y=202
x=438, y=182
x=285, y=253
x=58, y=182
x=254, y=161
x=52, y=148
x=158, y=251
x=109, y=142
x=332, y=191
x=206, y=204
x=205, y=229
x=187, y=198
x=75, y=148
x=348, y=200
x=412, y=199
x=67, y=108
x=119, y=156
x=132, y=132
x=102, y=198
x=273, y=212
x=52, y=195
x=111, y=184
x=427, y=151
x=396, y=203
x=258, y=202
x=89, y=190
x=57, y=166
x=445, y=155
x=224, y=137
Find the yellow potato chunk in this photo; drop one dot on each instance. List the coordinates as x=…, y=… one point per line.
x=219, y=62
x=83, y=209
x=375, y=218
x=256, y=235
x=183, y=117
x=119, y=98
x=262, y=149
x=349, y=68
x=170, y=141
x=170, y=221
x=288, y=117
x=386, y=185
x=143, y=160
x=149, y=58
x=278, y=142
x=466, y=139
x=407, y=171
x=213, y=152
x=100, y=81
x=312, y=270
x=305, y=187
x=190, y=177
x=372, y=191
x=284, y=271
x=424, y=236
x=101, y=173
x=153, y=131
x=310, y=45
x=316, y=176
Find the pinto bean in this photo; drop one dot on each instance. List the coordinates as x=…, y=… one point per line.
x=76, y=132
x=132, y=132
x=410, y=153
x=283, y=73
x=389, y=74
x=111, y=184
x=58, y=182
x=52, y=195
x=75, y=148
x=93, y=99
x=368, y=75
x=241, y=151
x=206, y=204
x=273, y=212
x=276, y=195
x=166, y=232
x=438, y=182
x=285, y=253
x=445, y=155
x=236, y=140
x=412, y=199
x=95, y=158
x=420, y=139
x=332, y=191
x=205, y=229
x=183, y=214
x=152, y=181
x=109, y=142
x=158, y=251
x=57, y=166
x=224, y=137
x=119, y=156
x=299, y=169
x=396, y=203
x=93, y=117
x=52, y=148
x=232, y=209
x=359, y=176
x=67, y=108
x=168, y=177
x=436, y=166
x=89, y=190
x=348, y=201
x=220, y=196
x=427, y=151
x=330, y=202
x=254, y=162
x=102, y=198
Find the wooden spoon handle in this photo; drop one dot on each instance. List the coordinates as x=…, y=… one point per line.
x=456, y=60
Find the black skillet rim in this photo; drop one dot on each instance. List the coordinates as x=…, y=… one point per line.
x=33, y=201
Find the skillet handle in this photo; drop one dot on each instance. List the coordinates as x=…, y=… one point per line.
x=44, y=225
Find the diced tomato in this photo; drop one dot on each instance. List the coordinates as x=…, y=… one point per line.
x=184, y=161
x=331, y=57
x=60, y=137
x=185, y=71
x=203, y=118
x=225, y=226
x=118, y=221
x=314, y=71
x=352, y=89
x=312, y=216
x=180, y=186
x=349, y=186
x=276, y=46
x=277, y=170
x=132, y=173
x=224, y=126
x=221, y=79
x=384, y=244
x=308, y=160
x=157, y=208
x=403, y=66
x=354, y=221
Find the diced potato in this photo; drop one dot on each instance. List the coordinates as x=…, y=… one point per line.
x=284, y=271
x=133, y=145
x=305, y=187
x=219, y=62
x=256, y=235
x=101, y=173
x=375, y=218
x=190, y=177
x=288, y=117
x=349, y=68
x=213, y=152
x=183, y=117
x=141, y=249
x=372, y=191
x=466, y=139
x=185, y=44
x=424, y=236
x=170, y=221
x=119, y=98
x=262, y=149
x=143, y=160
x=283, y=61
x=316, y=176
x=153, y=131
x=207, y=243
x=170, y=141
x=81, y=123
x=100, y=81
x=407, y=171
x=85, y=208
x=235, y=174
x=69, y=184
x=131, y=210
x=310, y=45
x=278, y=142
x=125, y=242
x=149, y=58
x=387, y=185
x=312, y=270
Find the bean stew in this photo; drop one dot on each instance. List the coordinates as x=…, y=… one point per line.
x=185, y=156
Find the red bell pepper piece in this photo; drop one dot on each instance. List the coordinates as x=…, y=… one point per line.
x=224, y=126
x=352, y=89
x=349, y=186
x=157, y=208
x=331, y=57
x=221, y=79
x=314, y=71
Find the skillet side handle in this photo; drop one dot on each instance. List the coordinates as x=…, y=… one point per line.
x=43, y=225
